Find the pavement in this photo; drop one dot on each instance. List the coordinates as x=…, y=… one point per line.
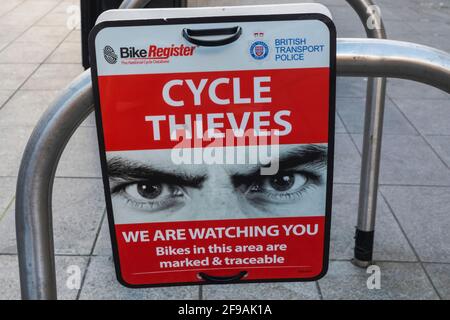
x=40, y=55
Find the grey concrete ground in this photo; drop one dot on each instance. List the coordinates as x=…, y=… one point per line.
x=39, y=55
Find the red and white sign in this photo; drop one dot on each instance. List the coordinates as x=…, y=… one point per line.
x=217, y=160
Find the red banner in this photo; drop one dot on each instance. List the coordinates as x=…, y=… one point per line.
x=137, y=116
x=177, y=251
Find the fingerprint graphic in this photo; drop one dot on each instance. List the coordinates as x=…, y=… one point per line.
x=110, y=55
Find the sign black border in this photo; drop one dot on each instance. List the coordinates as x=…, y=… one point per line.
x=219, y=19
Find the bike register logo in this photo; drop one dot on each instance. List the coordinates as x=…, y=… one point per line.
x=154, y=53
x=110, y=55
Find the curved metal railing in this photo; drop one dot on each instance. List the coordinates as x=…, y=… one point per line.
x=34, y=227
x=355, y=57
x=33, y=204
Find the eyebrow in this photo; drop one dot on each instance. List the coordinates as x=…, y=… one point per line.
x=126, y=169
x=120, y=168
x=309, y=155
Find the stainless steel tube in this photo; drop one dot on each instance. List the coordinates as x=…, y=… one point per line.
x=34, y=216
x=393, y=59
x=355, y=57
x=130, y=4
x=370, y=16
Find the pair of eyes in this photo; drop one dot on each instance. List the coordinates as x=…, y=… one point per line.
x=154, y=196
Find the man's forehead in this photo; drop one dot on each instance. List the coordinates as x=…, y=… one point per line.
x=163, y=160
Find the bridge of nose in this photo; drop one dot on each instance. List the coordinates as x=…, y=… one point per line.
x=218, y=195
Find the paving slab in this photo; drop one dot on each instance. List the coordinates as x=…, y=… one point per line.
x=9, y=5
x=351, y=87
x=347, y=162
x=74, y=36
x=26, y=19
x=101, y=283
x=34, y=7
x=390, y=243
x=12, y=142
x=401, y=30
x=346, y=29
x=62, y=6
x=10, y=32
x=26, y=107
x=78, y=206
x=7, y=191
x=399, y=281
x=81, y=156
x=14, y=75
x=67, y=52
x=344, y=12
x=103, y=244
x=27, y=13
x=262, y=291
x=8, y=243
x=424, y=216
x=23, y=52
x=426, y=24
x=407, y=89
x=89, y=121
x=433, y=9
x=430, y=117
x=4, y=96
x=441, y=144
x=437, y=42
x=397, y=4
x=409, y=160
x=53, y=76
x=439, y=274
x=397, y=14
x=55, y=19
x=352, y=111
x=44, y=34
x=9, y=276
x=339, y=126
x=428, y=29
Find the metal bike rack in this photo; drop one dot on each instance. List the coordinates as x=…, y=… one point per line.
x=355, y=57
x=127, y=4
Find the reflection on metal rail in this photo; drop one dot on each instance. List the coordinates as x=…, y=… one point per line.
x=355, y=57
x=393, y=59
x=127, y=4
